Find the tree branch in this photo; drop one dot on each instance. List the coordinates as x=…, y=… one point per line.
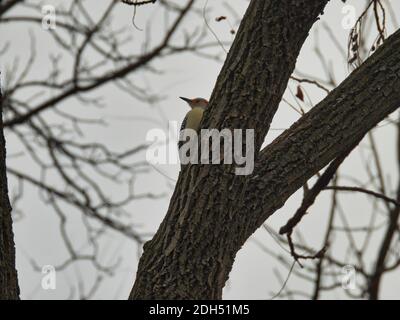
x=199, y=231
x=364, y=99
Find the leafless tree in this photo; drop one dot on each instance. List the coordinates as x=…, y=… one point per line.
x=71, y=172
x=362, y=255
x=193, y=251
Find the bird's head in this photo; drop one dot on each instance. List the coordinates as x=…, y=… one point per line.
x=196, y=102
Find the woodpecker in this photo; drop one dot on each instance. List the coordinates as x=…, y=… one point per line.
x=193, y=118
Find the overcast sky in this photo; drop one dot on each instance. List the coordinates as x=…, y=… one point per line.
x=129, y=120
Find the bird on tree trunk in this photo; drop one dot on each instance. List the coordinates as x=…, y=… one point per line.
x=193, y=118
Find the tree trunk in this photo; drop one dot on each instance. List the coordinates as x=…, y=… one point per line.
x=196, y=234
x=8, y=274
x=213, y=211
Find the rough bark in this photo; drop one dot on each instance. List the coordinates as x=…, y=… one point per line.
x=192, y=253
x=8, y=274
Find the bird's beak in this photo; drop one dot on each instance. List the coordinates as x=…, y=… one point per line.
x=186, y=99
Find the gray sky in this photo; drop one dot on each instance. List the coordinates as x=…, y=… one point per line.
x=37, y=232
